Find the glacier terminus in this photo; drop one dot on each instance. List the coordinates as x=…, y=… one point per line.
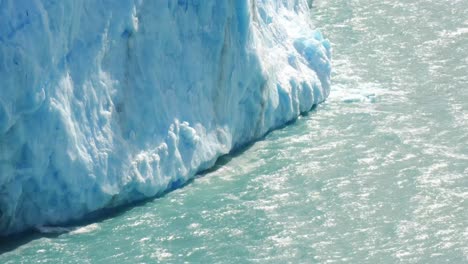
x=103, y=103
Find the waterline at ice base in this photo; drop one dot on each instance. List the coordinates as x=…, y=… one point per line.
x=106, y=103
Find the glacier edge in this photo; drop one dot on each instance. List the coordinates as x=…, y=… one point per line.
x=102, y=104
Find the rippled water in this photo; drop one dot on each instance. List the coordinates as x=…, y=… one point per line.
x=378, y=174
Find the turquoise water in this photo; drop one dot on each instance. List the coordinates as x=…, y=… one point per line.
x=377, y=174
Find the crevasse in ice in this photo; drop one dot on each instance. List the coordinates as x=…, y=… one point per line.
x=107, y=102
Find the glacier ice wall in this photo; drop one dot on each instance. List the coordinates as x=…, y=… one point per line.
x=107, y=102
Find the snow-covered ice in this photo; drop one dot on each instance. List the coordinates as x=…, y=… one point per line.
x=107, y=102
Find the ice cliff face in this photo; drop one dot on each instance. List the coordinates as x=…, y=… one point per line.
x=107, y=102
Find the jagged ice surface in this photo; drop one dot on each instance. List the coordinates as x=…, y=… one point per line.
x=107, y=102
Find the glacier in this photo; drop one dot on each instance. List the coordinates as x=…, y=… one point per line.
x=103, y=103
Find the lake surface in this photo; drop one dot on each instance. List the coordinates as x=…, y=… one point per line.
x=377, y=174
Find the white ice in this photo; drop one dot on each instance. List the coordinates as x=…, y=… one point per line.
x=107, y=102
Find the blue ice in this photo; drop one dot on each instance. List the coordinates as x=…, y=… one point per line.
x=103, y=103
